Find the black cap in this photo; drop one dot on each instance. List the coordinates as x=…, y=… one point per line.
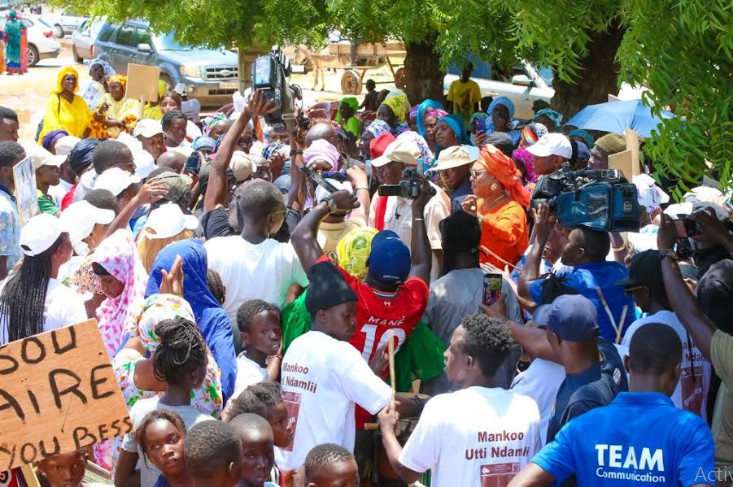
x=327, y=288
x=645, y=270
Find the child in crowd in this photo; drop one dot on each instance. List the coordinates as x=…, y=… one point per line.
x=258, y=457
x=261, y=333
x=371, y=99
x=64, y=470
x=264, y=400
x=331, y=465
x=160, y=436
x=180, y=361
x=214, y=455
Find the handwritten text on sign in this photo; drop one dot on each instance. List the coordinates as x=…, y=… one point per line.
x=57, y=394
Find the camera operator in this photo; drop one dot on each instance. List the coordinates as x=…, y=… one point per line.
x=586, y=252
x=550, y=152
x=395, y=212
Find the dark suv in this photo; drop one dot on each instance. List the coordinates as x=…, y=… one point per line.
x=212, y=75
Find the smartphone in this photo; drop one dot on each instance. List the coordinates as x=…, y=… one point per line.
x=318, y=179
x=492, y=288
x=480, y=125
x=687, y=227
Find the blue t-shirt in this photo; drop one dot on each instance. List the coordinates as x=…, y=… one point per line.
x=639, y=439
x=584, y=278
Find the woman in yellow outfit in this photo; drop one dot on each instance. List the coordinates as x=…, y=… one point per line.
x=152, y=110
x=64, y=109
x=116, y=113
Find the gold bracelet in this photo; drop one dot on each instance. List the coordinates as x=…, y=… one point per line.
x=621, y=248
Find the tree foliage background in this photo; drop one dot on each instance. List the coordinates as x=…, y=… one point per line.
x=682, y=50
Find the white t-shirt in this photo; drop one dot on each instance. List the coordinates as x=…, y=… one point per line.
x=398, y=218
x=474, y=437
x=149, y=473
x=248, y=372
x=63, y=307
x=192, y=130
x=264, y=271
x=322, y=380
x=541, y=381
x=692, y=390
x=59, y=191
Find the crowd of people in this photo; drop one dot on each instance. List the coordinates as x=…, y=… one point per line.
x=271, y=327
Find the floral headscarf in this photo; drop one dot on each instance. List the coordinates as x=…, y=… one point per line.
x=158, y=307
x=397, y=102
x=118, y=78
x=533, y=132
x=353, y=251
x=505, y=171
x=413, y=113
x=118, y=255
x=377, y=128
x=210, y=122
x=422, y=110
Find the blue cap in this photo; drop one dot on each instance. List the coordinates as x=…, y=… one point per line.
x=389, y=260
x=573, y=318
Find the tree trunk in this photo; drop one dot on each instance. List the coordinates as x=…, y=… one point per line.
x=598, y=77
x=423, y=74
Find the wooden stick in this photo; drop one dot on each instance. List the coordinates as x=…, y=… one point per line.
x=608, y=310
x=621, y=324
x=29, y=474
x=390, y=352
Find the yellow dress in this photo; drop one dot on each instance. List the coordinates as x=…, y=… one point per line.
x=61, y=114
x=125, y=110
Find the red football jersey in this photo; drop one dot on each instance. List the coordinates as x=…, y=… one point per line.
x=377, y=312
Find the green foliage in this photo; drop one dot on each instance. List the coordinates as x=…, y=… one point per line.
x=681, y=49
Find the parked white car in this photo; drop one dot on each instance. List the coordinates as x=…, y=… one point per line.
x=525, y=86
x=41, y=42
x=64, y=21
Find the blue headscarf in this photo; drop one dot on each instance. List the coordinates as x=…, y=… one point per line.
x=456, y=124
x=421, y=109
x=211, y=317
x=203, y=142
x=501, y=100
x=551, y=114
x=586, y=136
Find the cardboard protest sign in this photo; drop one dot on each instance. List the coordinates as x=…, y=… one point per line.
x=142, y=82
x=632, y=144
x=58, y=393
x=26, y=190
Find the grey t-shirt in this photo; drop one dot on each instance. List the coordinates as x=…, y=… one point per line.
x=453, y=297
x=148, y=472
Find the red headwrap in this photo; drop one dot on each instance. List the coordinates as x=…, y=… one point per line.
x=505, y=171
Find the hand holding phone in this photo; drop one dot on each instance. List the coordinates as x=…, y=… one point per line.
x=492, y=288
x=687, y=228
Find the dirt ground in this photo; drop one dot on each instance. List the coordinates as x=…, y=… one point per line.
x=27, y=94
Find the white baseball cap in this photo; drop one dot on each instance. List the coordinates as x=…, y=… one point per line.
x=404, y=150
x=242, y=165
x=115, y=180
x=80, y=217
x=40, y=233
x=147, y=127
x=552, y=145
x=168, y=221
x=182, y=89
x=41, y=157
x=65, y=144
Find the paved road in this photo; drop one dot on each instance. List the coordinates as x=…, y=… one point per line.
x=27, y=94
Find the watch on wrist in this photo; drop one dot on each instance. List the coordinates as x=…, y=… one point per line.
x=669, y=253
x=332, y=206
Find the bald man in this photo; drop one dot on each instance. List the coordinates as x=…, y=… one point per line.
x=173, y=160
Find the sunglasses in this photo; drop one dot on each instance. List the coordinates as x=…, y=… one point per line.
x=629, y=291
x=476, y=174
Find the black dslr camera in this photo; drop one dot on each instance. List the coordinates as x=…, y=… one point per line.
x=270, y=75
x=410, y=186
x=598, y=199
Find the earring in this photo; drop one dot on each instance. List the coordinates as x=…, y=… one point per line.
x=494, y=187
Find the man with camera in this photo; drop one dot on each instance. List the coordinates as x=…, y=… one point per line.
x=592, y=276
x=394, y=211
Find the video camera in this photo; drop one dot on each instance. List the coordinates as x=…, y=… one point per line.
x=597, y=199
x=270, y=75
x=410, y=186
